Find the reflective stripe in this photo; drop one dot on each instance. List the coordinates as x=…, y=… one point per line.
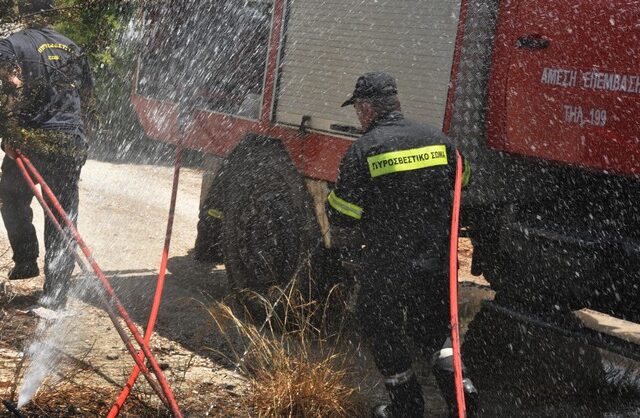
x=407, y=160
x=215, y=213
x=398, y=379
x=344, y=207
x=466, y=173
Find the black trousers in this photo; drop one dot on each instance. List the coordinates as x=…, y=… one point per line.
x=400, y=308
x=61, y=171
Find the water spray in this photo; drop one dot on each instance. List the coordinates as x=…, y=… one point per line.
x=108, y=297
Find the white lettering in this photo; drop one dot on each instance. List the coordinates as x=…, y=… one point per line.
x=575, y=114
x=611, y=82
x=591, y=80
x=559, y=77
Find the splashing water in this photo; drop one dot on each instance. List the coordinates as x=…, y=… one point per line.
x=44, y=357
x=44, y=353
x=46, y=350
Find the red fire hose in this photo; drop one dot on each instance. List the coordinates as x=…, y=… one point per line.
x=124, y=394
x=81, y=262
x=453, y=288
x=161, y=386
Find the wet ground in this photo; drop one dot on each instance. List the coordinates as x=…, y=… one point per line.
x=520, y=369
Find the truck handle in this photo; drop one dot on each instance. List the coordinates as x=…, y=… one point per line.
x=347, y=129
x=305, y=124
x=532, y=42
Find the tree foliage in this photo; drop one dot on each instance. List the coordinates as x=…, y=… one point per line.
x=94, y=25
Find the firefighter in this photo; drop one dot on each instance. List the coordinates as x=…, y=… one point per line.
x=391, y=207
x=45, y=77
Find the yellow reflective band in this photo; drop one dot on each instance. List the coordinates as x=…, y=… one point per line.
x=466, y=173
x=345, y=207
x=407, y=160
x=215, y=213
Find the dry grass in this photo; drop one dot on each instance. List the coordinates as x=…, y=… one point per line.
x=79, y=393
x=291, y=360
x=78, y=389
x=75, y=398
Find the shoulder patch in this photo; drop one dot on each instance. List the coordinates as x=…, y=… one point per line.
x=63, y=47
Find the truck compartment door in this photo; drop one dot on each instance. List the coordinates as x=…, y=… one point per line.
x=329, y=43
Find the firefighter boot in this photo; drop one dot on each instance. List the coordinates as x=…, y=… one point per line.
x=445, y=377
x=406, y=398
x=24, y=270
x=207, y=248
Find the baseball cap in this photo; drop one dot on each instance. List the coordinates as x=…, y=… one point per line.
x=373, y=84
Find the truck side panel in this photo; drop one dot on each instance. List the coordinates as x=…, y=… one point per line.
x=568, y=86
x=315, y=155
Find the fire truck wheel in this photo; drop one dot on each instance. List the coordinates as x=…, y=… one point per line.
x=269, y=229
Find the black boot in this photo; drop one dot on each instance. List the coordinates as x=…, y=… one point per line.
x=445, y=377
x=406, y=398
x=207, y=248
x=25, y=270
x=382, y=411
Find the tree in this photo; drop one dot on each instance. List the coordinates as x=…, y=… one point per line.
x=94, y=25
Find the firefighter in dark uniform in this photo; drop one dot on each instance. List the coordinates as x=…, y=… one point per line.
x=392, y=207
x=44, y=77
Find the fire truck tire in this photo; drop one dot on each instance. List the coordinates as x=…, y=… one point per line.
x=268, y=229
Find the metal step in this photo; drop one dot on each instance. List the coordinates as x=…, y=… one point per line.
x=609, y=325
x=601, y=331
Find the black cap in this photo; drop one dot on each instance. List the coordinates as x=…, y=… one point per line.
x=374, y=84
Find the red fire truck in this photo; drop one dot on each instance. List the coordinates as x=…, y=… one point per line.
x=539, y=95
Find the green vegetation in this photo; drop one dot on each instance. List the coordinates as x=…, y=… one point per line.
x=94, y=25
x=105, y=30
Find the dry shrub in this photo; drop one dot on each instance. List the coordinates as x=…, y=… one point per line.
x=291, y=360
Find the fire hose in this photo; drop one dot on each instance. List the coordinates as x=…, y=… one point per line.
x=160, y=386
x=453, y=288
x=124, y=394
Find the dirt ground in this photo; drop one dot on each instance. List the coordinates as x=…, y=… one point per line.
x=123, y=214
x=123, y=218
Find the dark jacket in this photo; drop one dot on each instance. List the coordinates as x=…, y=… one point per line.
x=395, y=188
x=54, y=72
